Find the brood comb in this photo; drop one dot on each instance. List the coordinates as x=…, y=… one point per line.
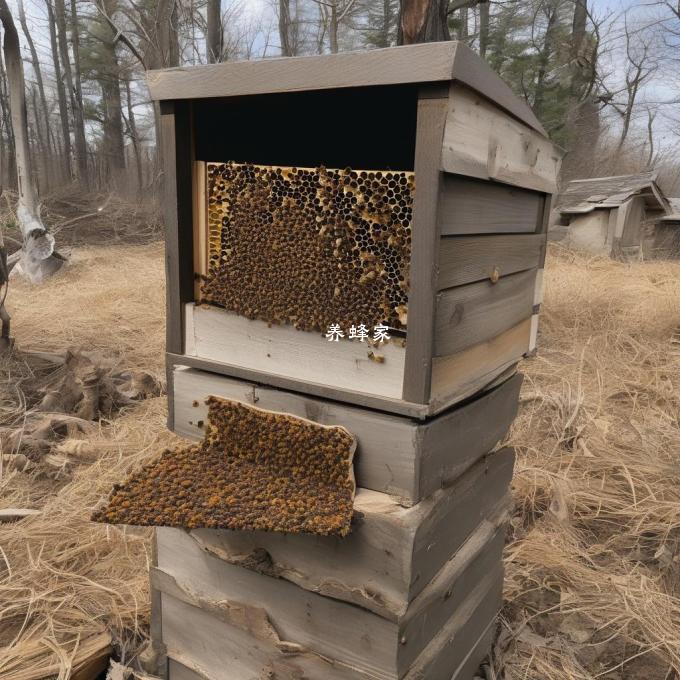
x=254, y=470
x=309, y=247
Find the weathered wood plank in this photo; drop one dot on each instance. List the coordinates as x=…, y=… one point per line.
x=432, y=111
x=200, y=227
x=423, y=63
x=388, y=446
x=398, y=456
x=207, y=645
x=175, y=149
x=205, y=636
x=392, y=552
x=222, y=336
x=461, y=375
x=467, y=259
x=473, y=206
x=482, y=141
x=274, y=611
x=450, y=649
x=396, y=406
x=456, y=440
x=177, y=671
x=468, y=315
x=470, y=666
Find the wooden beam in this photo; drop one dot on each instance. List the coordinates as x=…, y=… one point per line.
x=432, y=110
x=175, y=148
x=474, y=206
x=467, y=259
x=471, y=314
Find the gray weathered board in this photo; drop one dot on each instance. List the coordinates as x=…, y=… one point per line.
x=424, y=63
x=395, y=455
x=275, y=612
x=391, y=554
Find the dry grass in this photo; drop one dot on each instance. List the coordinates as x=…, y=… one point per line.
x=64, y=580
x=593, y=561
x=592, y=564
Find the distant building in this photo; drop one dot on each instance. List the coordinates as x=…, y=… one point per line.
x=667, y=237
x=615, y=216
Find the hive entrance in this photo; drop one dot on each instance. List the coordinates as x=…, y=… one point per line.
x=309, y=247
x=254, y=470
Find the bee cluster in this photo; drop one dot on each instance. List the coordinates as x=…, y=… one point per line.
x=254, y=470
x=309, y=247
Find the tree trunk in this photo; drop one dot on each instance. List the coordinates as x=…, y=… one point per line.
x=38, y=258
x=214, y=32
x=7, y=123
x=81, y=142
x=35, y=62
x=134, y=137
x=544, y=59
x=463, y=30
x=61, y=93
x=484, y=8
x=423, y=21
x=333, y=27
x=284, y=29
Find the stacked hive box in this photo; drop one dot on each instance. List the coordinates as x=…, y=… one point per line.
x=413, y=591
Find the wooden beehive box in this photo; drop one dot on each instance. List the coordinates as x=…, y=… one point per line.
x=410, y=184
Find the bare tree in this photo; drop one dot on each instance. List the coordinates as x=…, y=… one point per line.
x=286, y=29
x=333, y=13
x=37, y=257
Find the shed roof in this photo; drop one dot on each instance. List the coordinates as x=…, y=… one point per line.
x=585, y=195
x=423, y=63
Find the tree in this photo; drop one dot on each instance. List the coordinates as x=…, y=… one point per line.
x=37, y=257
x=213, y=42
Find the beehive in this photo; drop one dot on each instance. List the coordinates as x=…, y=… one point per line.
x=407, y=190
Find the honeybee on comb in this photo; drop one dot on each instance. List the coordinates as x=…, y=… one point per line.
x=254, y=470
x=309, y=247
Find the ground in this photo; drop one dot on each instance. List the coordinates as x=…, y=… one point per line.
x=592, y=560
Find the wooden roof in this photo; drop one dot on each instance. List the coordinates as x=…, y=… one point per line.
x=585, y=195
x=422, y=63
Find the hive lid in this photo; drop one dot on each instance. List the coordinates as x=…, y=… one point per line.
x=409, y=64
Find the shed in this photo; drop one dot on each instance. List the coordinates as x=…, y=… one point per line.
x=667, y=235
x=613, y=215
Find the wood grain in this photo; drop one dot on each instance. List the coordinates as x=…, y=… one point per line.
x=222, y=336
x=395, y=455
x=392, y=552
x=432, y=110
x=175, y=149
x=473, y=206
x=388, y=446
x=477, y=312
x=273, y=611
x=200, y=226
x=458, y=376
x=423, y=63
x=466, y=259
x=482, y=141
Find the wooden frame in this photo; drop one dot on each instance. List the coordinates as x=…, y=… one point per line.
x=477, y=150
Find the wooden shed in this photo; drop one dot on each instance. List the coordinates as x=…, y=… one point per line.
x=667, y=233
x=406, y=190
x=613, y=216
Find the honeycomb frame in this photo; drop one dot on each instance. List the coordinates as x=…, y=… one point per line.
x=255, y=470
x=309, y=247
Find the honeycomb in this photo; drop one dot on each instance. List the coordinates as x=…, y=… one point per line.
x=254, y=470
x=309, y=247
